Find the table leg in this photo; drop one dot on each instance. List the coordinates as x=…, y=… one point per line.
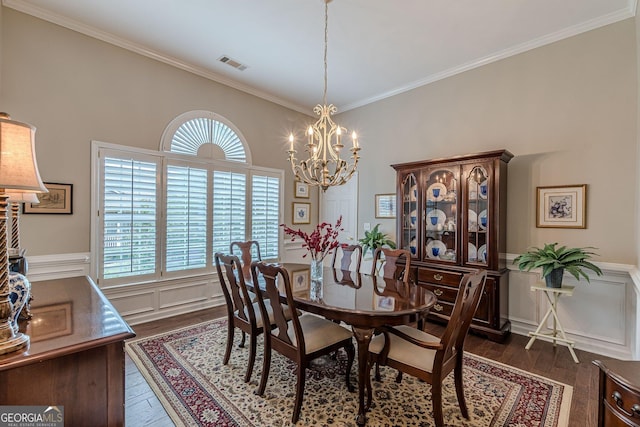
x=363, y=337
x=540, y=326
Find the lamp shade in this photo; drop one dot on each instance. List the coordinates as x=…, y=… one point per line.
x=18, y=165
x=22, y=197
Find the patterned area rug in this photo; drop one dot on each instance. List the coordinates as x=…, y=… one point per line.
x=185, y=370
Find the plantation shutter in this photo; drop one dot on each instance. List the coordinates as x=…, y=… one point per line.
x=129, y=204
x=265, y=214
x=186, y=241
x=229, y=210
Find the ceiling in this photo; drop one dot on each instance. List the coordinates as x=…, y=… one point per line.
x=377, y=48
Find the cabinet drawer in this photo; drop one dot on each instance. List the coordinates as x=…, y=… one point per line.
x=442, y=308
x=443, y=293
x=439, y=277
x=626, y=399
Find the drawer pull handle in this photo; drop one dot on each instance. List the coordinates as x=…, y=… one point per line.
x=437, y=277
x=437, y=307
x=438, y=292
x=635, y=409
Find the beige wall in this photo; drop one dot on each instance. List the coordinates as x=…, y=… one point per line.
x=567, y=111
x=75, y=89
x=637, y=22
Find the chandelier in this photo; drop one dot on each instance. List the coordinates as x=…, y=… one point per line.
x=324, y=167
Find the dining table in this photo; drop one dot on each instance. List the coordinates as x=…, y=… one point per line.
x=362, y=301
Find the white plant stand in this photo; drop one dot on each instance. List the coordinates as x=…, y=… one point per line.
x=557, y=334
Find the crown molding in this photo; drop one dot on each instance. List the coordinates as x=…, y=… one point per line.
x=497, y=56
x=106, y=37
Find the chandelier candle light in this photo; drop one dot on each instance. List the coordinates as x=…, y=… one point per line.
x=324, y=167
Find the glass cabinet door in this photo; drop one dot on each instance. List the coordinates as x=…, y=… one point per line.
x=478, y=215
x=440, y=215
x=409, y=214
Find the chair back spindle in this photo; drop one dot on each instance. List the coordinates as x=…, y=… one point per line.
x=272, y=274
x=348, y=252
x=246, y=254
x=392, y=259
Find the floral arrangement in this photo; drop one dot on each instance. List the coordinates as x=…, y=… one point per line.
x=321, y=241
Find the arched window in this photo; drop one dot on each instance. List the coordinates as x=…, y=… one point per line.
x=165, y=214
x=206, y=135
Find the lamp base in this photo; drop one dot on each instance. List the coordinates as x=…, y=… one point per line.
x=15, y=343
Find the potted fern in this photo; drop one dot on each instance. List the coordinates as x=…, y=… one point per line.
x=555, y=260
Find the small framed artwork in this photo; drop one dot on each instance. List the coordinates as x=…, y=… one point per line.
x=302, y=190
x=385, y=205
x=301, y=213
x=57, y=201
x=561, y=206
x=300, y=280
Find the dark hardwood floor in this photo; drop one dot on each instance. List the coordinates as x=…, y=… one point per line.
x=142, y=408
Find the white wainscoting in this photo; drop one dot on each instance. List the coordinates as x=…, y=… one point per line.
x=602, y=316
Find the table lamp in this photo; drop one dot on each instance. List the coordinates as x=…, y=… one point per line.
x=18, y=172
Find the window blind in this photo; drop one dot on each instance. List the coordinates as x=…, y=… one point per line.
x=186, y=238
x=265, y=213
x=229, y=211
x=129, y=218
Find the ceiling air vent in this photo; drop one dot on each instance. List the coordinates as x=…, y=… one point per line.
x=235, y=64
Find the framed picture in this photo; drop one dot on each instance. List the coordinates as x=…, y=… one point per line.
x=562, y=206
x=300, y=280
x=385, y=205
x=302, y=190
x=57, y=201
x=301, y=213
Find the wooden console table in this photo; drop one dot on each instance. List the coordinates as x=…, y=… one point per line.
x=619, y=395
x=76, y=355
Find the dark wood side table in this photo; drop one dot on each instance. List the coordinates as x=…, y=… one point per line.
x=76, y=355
x=619, y=397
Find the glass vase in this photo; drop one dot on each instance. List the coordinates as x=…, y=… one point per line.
x=316, y=280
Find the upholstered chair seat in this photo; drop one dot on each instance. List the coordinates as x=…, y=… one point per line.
x=406, y=352
x=318, y=333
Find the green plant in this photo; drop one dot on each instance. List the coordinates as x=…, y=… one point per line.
x=549, y=258
x=374, y=239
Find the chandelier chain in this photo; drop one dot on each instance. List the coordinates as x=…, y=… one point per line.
x=326, y=43
x=324, y=167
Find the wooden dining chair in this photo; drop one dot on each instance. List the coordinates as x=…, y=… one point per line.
x=348, y=253
x=303, y=338
x=246, y=254
x=242, y=313
x=392, y=260
x=430, y=358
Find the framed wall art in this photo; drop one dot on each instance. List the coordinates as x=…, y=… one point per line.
x=301, y=213
x=302, y=190
x=561, y=206
x=300, y=280
x=57, y=201
x=385, y=205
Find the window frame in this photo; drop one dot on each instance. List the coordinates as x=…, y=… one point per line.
x=100, y=149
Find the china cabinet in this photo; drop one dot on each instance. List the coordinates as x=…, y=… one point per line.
x=452, y=218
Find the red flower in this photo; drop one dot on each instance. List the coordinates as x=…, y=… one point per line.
x=321, y=241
